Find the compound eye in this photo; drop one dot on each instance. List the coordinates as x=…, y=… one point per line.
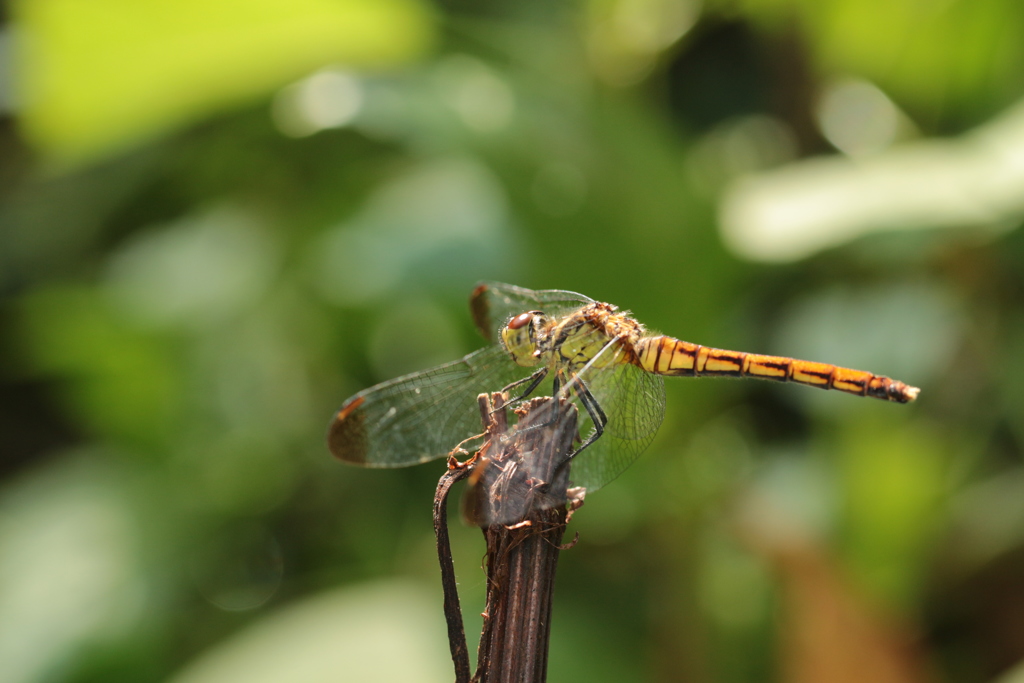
x=520, y=320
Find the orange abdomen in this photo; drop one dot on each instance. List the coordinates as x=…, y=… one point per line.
x=667, y=356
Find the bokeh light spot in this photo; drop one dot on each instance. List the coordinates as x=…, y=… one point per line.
x=330, y=98
x=858, y=118
x=483, y=100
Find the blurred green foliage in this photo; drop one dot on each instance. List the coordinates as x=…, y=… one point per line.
x=220, y=219
x=105, y=74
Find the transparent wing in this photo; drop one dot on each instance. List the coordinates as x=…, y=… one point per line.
x=422, y=416
x=634, y=402
x=494, y=303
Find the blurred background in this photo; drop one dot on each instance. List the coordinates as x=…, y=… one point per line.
x=219, y=219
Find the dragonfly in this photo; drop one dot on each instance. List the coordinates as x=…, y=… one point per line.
x=591, y=352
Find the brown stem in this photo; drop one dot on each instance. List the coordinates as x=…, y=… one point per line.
x=518, y=494
x=452, y=609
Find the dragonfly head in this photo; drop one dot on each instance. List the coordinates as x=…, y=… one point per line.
x=520, y=337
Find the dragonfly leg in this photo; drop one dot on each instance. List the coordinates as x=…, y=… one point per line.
x=590, y=404
x=534, y=381
x=577, y=385
x=594, y=410
x=533, y=385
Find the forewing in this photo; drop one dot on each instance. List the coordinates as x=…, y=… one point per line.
x=494, y=303
x=634, y=402
x=422, y=416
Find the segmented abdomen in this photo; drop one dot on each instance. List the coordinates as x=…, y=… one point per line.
x=667, y=356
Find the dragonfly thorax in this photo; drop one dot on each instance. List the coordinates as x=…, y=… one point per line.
x=584, y=343
x=596, y=335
